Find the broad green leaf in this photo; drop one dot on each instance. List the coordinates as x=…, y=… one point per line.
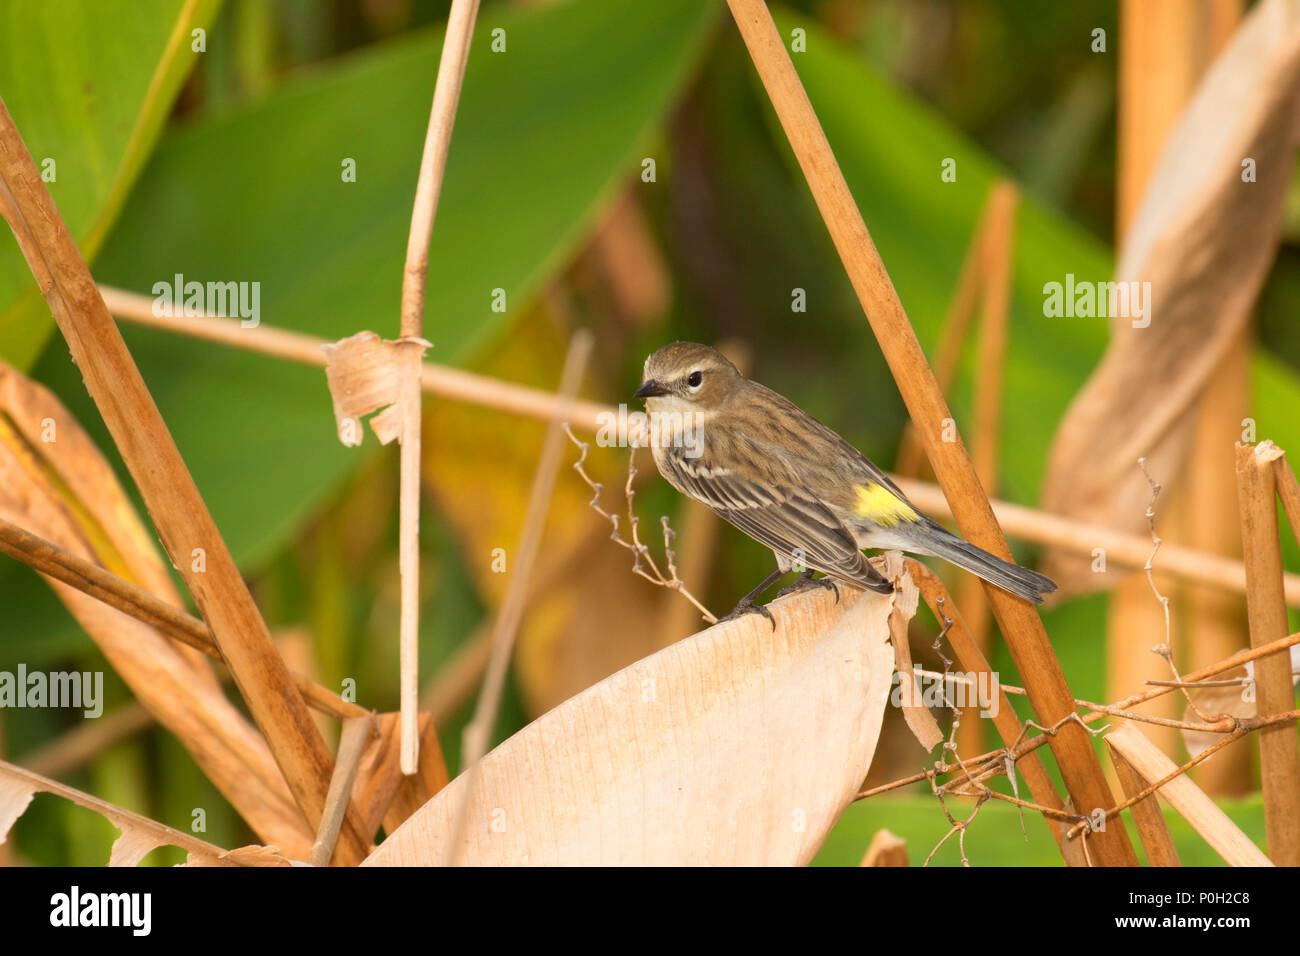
x=89, y=84
x=544, y=133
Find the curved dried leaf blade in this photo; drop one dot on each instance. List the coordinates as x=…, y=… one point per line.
x=1197, y=253
x=739, y=746
x=139, y=833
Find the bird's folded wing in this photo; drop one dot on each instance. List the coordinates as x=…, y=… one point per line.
x=786, y=519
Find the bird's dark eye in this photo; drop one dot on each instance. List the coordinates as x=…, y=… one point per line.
x=695, y=379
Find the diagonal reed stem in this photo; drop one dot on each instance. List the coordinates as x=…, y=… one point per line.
x=1020, y=624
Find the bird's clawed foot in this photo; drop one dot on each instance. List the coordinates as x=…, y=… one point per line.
x=747, y=606
x=806, y=580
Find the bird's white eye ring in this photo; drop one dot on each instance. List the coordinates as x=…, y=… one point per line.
x=695, y=379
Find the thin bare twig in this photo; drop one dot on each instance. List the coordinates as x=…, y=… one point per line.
x=639, y=550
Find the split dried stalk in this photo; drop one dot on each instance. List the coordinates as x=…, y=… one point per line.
x=184, y=524
x=433, y=167
x=1188, y=799
x=1019, y=621
x=478, y=732
x=1279, y=745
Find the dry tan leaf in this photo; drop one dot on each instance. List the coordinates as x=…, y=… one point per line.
x=739, y=745
x=1204, y=240
x=56, y=484
x=917, y=716
x=15, y=796
x=132, y=847
x=364, y=373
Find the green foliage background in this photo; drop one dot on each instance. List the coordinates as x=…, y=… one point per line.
x=226, y=164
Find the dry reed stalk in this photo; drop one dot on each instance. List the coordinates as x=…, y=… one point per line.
x=433, y=167
x=1027, y=524
x=1279, y=745
x=1164, y=48
x=956, y=324
x=357, y=732
x=478, y=732
x=1288, y=489
x=1004, y=201
x=1162, y=54
x=51, y=560
x=1214, y=622
x=1150, y=822
x=184, y=524
x=1151, y=764
x=1019, y=622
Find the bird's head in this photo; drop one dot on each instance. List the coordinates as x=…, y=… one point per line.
x=687, y=376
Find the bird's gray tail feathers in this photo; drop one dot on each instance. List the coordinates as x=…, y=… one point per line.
x=1022, y=582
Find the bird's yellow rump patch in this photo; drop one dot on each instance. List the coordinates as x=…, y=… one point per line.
x=877, y=503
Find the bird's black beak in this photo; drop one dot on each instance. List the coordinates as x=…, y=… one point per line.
x=650, y=389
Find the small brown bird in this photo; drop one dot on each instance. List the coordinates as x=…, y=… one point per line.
x=791, y=483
